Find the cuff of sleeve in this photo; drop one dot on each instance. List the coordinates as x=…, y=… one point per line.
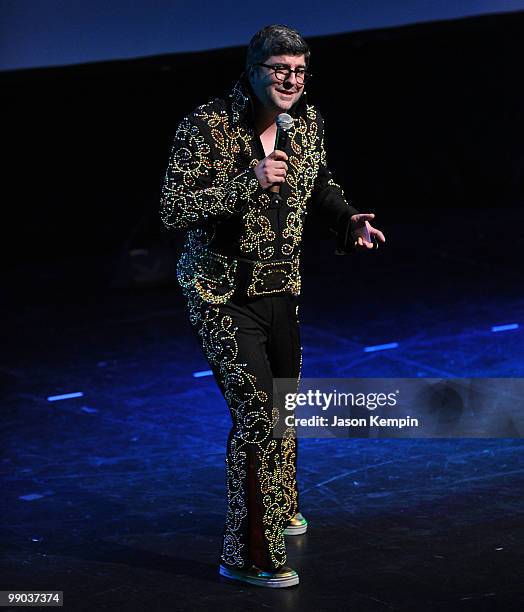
x=345, y=242
x=247, y=187
x=259, y=190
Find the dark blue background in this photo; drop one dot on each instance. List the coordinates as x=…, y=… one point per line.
x=55, y=32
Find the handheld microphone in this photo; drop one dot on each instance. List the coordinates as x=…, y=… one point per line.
x=284, y=123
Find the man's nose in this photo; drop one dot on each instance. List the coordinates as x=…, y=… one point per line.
x=290, y=81
x=292, y=77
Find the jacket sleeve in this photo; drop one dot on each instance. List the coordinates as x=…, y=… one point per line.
x=196, y=191
x=329, y=203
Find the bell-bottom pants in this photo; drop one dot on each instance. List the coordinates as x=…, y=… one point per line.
x=248, y=342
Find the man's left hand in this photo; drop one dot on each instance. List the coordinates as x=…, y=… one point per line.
x=364, y=235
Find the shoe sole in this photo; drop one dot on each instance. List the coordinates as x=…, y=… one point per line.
x=295, y=530
x=273, y=583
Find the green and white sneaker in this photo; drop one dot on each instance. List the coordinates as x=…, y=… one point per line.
x=297, y=525
x=282, y=577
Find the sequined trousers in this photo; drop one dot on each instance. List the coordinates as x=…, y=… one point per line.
x=248, y=342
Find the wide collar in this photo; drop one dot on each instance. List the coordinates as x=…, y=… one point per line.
x=241, y=107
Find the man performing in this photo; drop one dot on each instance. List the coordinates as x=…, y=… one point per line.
x=239, y=271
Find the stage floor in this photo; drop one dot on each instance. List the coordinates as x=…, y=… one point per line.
x=117, y=497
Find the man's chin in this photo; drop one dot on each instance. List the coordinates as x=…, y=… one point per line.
x=283, y=104
x=283, y=100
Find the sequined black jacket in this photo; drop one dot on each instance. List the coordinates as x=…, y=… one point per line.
x=237, y=237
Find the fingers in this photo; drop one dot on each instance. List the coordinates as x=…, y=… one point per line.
x=276, y=167
x=378, y=234
x=360, y=243
x=277, y=154
x=363, y=216
x=273, y=175
x=271, y=171
x=365, y=243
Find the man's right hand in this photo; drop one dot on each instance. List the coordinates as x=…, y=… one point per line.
x=272, y=169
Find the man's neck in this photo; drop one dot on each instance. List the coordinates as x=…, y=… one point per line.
x=265, y=128
x=264, y=118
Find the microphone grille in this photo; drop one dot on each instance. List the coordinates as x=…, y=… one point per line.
x=284, y=121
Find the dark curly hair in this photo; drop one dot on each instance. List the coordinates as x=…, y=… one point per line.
x=276, y=40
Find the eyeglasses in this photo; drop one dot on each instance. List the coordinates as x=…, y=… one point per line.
x=283, y=72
